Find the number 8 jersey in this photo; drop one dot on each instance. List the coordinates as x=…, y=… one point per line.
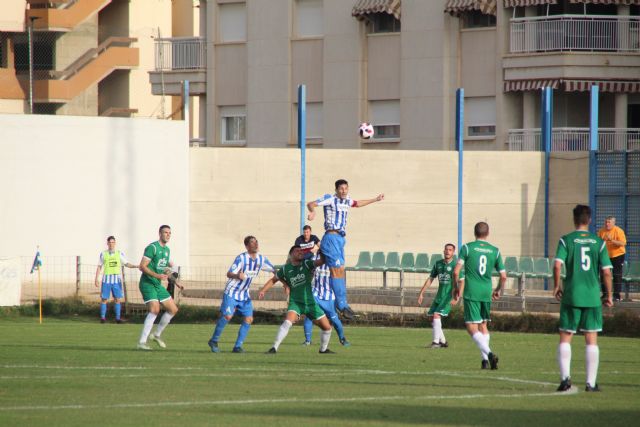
x=584, y=254
x=479, y=259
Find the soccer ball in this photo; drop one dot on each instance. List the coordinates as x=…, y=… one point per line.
x=365, y=130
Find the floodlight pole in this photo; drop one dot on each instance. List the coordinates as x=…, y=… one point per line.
x=460, y=148
x=30, y=46
x=302, y=145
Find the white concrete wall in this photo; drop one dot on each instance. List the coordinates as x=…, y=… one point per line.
x=69, y=182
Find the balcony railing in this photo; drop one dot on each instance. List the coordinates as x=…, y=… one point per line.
x=575, y=139
x=575, y=33
x=181, y=53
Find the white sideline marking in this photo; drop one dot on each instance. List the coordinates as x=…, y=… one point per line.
x=573, y=391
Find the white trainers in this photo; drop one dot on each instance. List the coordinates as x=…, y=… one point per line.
x=158, y=341
x=143, y=346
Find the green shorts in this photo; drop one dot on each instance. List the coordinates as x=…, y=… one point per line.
x=312, y=310
x=443, y=308
x=585, y=319
x=153, y=292
x=477, y=311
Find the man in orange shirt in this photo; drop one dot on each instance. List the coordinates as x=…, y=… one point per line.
x=616, y=241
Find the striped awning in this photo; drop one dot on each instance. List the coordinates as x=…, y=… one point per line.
x=626, y=2
x=458, y=7
x=605, y=86
x=526, y=85
x=520, y=3
x=616, y=86
x=365, y=7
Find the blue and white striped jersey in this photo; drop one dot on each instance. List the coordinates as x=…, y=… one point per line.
x=321, y=285
x=335, y=211
x=239, y=289
x=112, y=278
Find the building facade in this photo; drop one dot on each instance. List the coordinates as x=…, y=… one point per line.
x=397, y=65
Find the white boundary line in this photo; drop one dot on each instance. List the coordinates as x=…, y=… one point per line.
x=573, y=391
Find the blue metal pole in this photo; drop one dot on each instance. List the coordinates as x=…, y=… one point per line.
x=547, y=125
x=593, y=148
x=460, y=148
x=302, y=145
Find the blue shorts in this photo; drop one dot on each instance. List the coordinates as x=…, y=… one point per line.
x=332, y=247
x=230, y=306
x=114, y=288
x=328, y=306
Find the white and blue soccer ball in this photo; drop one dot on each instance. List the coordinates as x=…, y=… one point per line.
x=365, y=130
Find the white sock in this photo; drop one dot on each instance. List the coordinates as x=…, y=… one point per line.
x=437, y=329
x=442, y=338
x=282, y=333
x=564, y=360
x=487, y=339
x=325, y=336
x=146, y=329
x=164, y=321
x=592, y=359
x=478, y=338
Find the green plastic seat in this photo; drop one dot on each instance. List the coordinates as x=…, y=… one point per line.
x=633, y=272
x=511, y=266
x=378, y=261
x=364, y=262
x=422, y=263
x=393, y=262
x=541, y=268
x=407, y=262
x=434, y=258
x=526, y=266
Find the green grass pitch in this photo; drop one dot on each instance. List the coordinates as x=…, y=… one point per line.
x=80, y=373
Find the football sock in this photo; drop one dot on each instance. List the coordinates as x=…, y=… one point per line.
x=146, y=329
x=118, y=310
x=164, y=321
x=564, y=360
x=242, y=333
x=487, y=339
x=478, y=338
x=308, y=329
x=592, y=358
x=337, y=324
x=325, y=336
x=103, y=310
x=436, y=330
x=282, y=333
x=339, y=287
x=222, y=322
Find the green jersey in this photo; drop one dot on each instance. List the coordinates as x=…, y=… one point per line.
x=444, y=272
x=584, y=254
x=159, y=260
x=479, y=258
x=300, y=280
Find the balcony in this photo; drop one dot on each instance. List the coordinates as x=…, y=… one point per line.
x=62, y=15
x=575, y=139
x=178, y=59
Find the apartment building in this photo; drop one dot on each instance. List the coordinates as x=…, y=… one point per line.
x=89, y=57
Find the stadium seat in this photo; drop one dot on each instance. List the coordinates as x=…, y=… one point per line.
x=407, y=262
x=633, y=272
x=541, y=268
x=364, y=262
x=422, y=263
x=526, y=266
x=393, y=262
x=434, y=258
x=511, y=266
x=378, y=261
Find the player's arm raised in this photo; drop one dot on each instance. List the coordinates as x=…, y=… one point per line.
x=365, y=202
x=427, y=283
x=311, y=207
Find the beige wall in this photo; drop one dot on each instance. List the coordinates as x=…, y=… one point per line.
x=69, y=182
x=236, y=192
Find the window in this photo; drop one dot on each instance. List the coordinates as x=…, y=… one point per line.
x=382, y=23
x=477, y=19
x=44, y=51
x=309, y=18
x=233, y=125
x=385, y=118
x=480, y=117
x=232, y=22
x=314, y=123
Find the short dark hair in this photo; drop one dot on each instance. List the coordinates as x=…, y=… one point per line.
x=162, y=227
x=110, y=238
x=306, y=227
x=293, y=248
x=340, y=182
x=248, y=239
x=452, y=245
x=581, y=215
x=481, y=229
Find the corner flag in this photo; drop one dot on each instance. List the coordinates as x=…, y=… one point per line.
x=37, y=262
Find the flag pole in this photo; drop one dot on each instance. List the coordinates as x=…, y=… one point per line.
x=40, y=296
